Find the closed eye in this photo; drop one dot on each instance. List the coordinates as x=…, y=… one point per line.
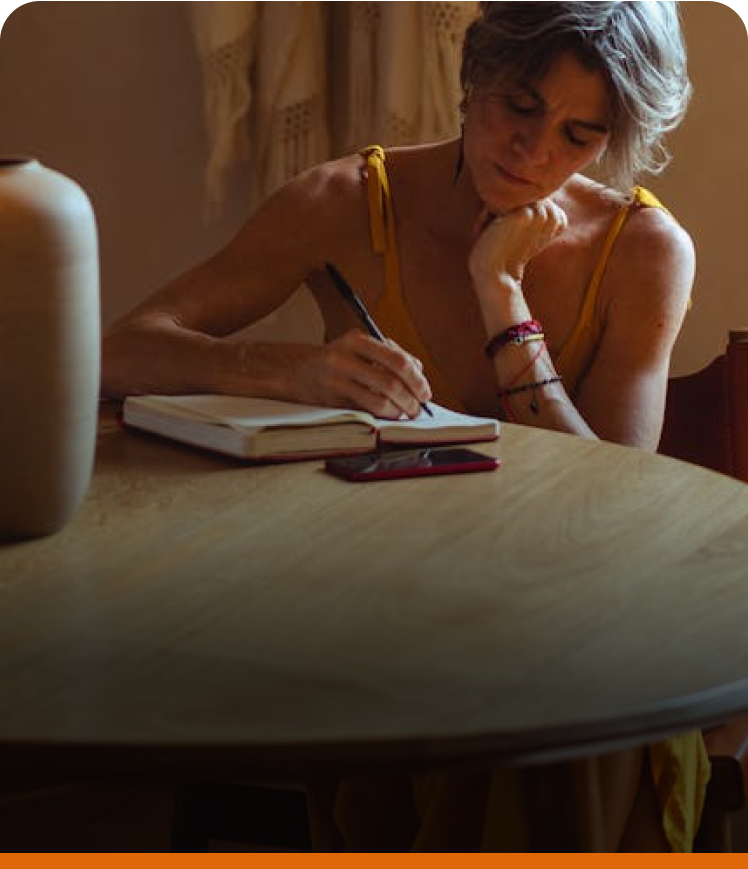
x=575, y=139
x=583, y=134
x=525, y=106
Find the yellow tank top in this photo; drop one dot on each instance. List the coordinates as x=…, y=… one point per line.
x=680, y=766
x=392, y=314
x=391, y=311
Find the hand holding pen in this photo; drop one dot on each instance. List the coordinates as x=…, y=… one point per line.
x=346, y=291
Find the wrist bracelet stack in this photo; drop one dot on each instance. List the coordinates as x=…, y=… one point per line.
x=522, y=333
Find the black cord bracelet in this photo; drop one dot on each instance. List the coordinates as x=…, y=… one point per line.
x=527, y=387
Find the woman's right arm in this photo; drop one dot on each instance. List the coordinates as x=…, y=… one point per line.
x=178, y=341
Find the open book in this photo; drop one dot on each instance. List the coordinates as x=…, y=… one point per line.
x=258, y=428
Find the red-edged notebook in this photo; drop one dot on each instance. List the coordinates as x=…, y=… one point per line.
x=262, y=429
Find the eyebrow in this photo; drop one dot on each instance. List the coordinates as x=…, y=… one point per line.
x=592, y=126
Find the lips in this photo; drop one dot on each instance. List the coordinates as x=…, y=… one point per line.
x=518, y=180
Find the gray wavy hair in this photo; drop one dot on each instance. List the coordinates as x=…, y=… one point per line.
x=638, y=47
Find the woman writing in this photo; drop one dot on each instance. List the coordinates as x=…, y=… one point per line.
x=509, y=283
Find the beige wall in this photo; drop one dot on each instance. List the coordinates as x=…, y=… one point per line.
x=706, y=186
x=109, y=94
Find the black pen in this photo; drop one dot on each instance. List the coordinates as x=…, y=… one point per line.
x=345, y=290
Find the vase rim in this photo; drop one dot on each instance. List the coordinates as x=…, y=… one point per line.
x=16, y=161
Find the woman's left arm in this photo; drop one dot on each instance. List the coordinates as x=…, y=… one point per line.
x=644, y=299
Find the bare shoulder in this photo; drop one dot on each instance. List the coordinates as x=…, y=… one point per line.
x=654, y=232
x=650, y=275
x=323, y=191
x=653, y=256
x=656, y=253
x=295, y=230
x=648, y=229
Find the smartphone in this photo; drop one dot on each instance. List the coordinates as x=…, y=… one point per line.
x=420, y=462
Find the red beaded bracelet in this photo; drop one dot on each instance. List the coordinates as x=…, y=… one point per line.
x=530, y=330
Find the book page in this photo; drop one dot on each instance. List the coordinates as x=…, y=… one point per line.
x=444, y=425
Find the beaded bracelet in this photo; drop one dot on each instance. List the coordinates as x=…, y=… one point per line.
x=526, y=387
x=530, y=330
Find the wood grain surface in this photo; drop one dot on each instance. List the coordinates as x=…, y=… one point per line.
x=199, y=615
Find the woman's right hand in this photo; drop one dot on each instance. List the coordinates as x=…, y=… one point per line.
x=356, y=370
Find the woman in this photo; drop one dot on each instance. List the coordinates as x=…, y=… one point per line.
x=509, y=283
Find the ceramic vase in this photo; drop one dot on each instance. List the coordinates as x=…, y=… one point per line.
x=49, y=347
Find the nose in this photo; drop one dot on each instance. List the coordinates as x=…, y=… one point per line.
x=532, y=141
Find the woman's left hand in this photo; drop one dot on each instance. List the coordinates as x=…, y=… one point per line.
x=505, y=244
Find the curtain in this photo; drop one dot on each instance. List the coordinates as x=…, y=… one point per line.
x=290, y=84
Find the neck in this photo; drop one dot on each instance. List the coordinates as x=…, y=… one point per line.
x=461, y=204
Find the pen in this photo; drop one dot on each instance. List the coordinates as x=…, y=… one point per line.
x=345, y=290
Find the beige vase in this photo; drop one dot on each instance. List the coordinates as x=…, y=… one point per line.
x=49, y=347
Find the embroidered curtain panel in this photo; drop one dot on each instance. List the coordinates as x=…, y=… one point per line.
x=289, y=84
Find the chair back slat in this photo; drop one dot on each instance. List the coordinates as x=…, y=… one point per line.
x=706, y=413
x=696, y=428
x=737, y=390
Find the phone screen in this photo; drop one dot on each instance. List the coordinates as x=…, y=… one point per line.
x=410, y=463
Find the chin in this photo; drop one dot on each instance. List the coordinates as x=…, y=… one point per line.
x=500, y=198
x=503, y=203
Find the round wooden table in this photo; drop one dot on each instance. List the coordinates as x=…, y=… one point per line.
x=202, y=616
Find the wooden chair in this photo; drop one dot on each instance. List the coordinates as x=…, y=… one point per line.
x=706, y=423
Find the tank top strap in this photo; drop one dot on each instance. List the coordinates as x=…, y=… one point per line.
x=640, y=198
x=579, y=346
x=382, y=218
